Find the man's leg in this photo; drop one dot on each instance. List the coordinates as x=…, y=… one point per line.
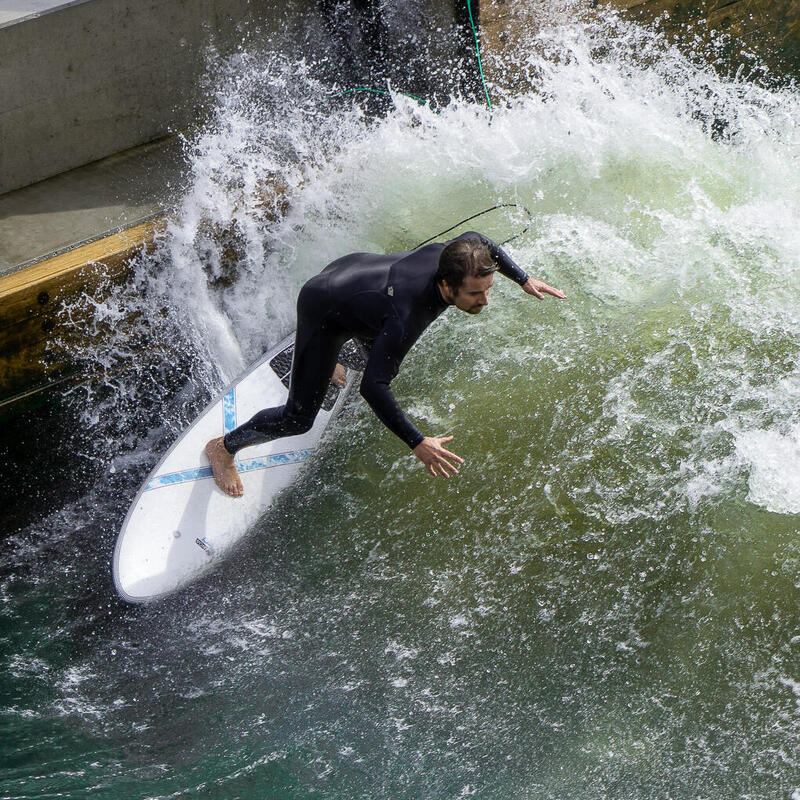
x=317, y=346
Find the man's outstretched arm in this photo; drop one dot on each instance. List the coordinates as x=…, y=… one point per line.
x=386, y=354
x=507, y=267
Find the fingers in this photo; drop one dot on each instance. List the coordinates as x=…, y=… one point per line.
x=553, y=291
x=443, y=455
x=441, y=466
x=453, y=456
x=532, y=287
x=539, y=288
x=438, y=460
x=444, y=464
x=436, y=468
x=441, y=441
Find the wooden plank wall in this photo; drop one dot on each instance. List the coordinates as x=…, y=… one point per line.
x=31, y=300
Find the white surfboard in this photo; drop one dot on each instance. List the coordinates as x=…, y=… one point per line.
x=180, y=523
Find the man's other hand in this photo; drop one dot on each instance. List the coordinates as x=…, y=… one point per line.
x=436, y=459
x=540, y=289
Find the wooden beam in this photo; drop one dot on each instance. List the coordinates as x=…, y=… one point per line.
x=21, y=291
x=31, y=298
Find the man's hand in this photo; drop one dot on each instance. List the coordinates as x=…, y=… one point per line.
x=339, y=376
x=540, y=289
x=435, y=458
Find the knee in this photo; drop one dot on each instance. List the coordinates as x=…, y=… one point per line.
x=295, y=425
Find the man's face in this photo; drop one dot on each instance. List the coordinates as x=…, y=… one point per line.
x=472, y=295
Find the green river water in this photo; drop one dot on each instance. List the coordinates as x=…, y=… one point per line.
x=605, y=603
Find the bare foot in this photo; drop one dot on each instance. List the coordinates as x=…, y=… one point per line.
x=224, y=468
x=339, y=376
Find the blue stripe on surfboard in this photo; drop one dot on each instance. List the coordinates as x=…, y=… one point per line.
x=276, y=460
x=248, y=465
x=229, y=411
x=184, y=476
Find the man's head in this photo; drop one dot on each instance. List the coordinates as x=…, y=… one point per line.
x=465, y=274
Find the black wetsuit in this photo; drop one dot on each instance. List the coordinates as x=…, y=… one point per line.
x=386, y=300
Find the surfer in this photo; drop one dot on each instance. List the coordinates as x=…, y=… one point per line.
x=385, y=302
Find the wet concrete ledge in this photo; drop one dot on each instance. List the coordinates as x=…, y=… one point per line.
x=82, y=80
x=46, y=218
x=65, y=235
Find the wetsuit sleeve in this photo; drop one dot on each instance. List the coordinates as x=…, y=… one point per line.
x=506, y=265
x=387, y=353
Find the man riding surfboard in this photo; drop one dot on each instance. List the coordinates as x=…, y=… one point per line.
x=386, y=302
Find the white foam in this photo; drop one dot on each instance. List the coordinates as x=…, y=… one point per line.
x=774, y=462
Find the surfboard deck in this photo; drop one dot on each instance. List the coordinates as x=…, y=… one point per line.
x=180, y=524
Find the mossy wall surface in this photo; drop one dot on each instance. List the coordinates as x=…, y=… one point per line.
x=767, y=29
x=762, y=37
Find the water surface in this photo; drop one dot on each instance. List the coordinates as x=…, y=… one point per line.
x=604, y=603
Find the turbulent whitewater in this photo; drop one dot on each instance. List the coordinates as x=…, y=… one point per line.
x=604, y=603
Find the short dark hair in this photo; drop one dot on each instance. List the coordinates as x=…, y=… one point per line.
x=462, y=258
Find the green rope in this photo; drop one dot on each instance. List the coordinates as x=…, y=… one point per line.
x=478, y=54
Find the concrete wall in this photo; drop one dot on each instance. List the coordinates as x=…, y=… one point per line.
x=90, y=78
x=84, y=79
